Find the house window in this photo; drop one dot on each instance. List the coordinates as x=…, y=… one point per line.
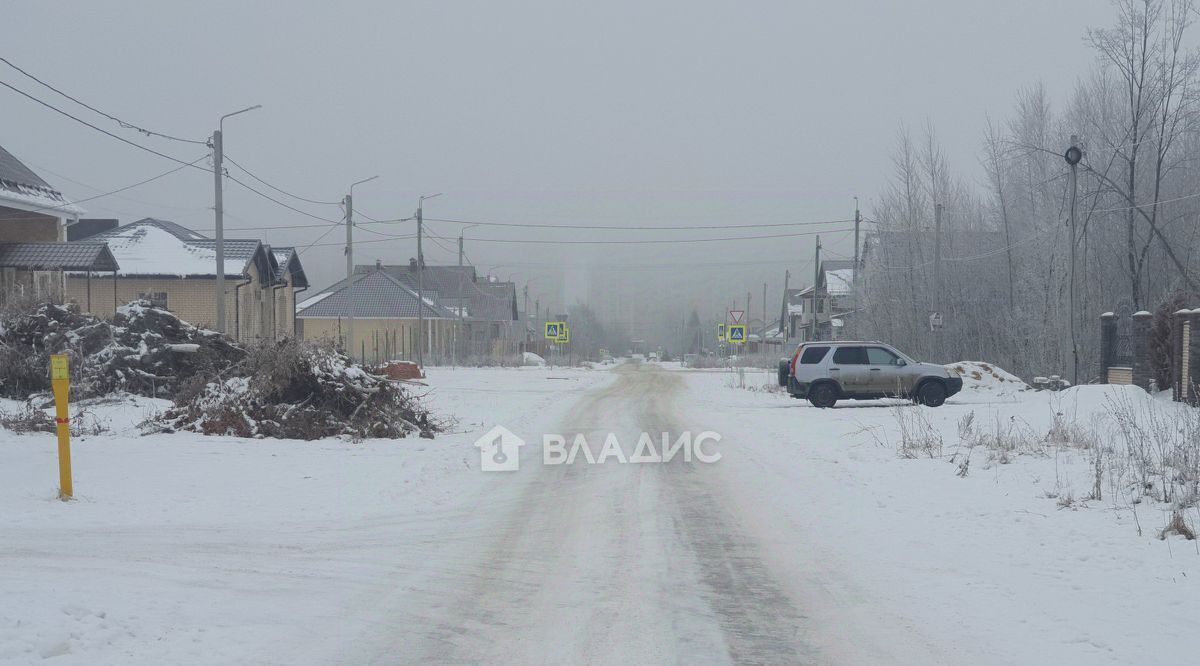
x=157, y=298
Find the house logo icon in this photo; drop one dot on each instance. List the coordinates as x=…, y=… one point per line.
x=499, y=450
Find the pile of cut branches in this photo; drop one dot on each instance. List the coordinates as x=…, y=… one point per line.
x=301, y=390
x=144, y=350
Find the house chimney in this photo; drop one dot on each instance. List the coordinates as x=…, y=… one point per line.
x=379, y=264
x=412, y=262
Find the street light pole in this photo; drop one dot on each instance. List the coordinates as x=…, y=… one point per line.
x=1073, y=155
x=461, y=315
x=420, y=280
x=350, y=304
x=218, y=146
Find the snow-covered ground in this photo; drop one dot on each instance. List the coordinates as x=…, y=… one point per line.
x=184, y=549
x=920, y=565
x=810, y=536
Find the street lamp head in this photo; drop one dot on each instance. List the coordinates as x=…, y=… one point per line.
x=364, y=180
x=221, y=123
x=1073, y=155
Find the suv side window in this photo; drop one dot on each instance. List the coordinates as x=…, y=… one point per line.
x=880, y=356
x=813, y=355
x=850, y=356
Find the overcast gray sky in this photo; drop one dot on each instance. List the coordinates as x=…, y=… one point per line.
x=583, y=113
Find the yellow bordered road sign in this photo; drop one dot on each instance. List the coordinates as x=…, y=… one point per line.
x=737, y=333
x=554, y=329
x=720, y=332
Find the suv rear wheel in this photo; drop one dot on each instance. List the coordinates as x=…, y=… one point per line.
x=931, y=393
x=823, y=395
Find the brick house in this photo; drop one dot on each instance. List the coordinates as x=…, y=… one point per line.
x=33, y=252
x=386, y=319
x=175, y=268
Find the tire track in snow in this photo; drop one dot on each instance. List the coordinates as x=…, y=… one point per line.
x=616, y=563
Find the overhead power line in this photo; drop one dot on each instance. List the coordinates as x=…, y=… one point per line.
x=358, y=242
x=106, y=194
x=319, y=238
x=122, y=123
x=98, y=129
x=540, y=241
x=614, y=227
x=277, y=201
x=159, y=153
x=229, y=159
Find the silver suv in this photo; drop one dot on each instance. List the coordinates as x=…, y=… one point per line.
x=825, y=372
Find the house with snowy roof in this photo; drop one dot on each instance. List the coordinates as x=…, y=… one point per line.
x=387, y=317
x=33, y=221
x=833, y=302
x=175, y=268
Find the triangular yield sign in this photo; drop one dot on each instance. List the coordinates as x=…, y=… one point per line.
x=737, y=315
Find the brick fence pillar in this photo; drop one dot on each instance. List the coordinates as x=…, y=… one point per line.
x=1108, y=342
x=1143, y=366
x=1181, y=319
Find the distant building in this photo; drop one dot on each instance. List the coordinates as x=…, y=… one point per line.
x=174, y=267
x=489, y=320
x=386, y=318
x=822, y=317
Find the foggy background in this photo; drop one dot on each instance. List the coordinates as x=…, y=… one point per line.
x=616, y=113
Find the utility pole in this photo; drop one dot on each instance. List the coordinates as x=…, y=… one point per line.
x=857, y=223
x=937, y=278
x=461, y=318
x=854, y=285
x=1073, y=155
x=420, y=290
x=763, y=340
x=812, y=324
x=218, y=158
x=218, y=146
x=787, y=275
x=350, y=304
x=350, y=275
x=421, y=280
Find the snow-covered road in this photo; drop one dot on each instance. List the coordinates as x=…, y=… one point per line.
x=810, y=541
x=614, y=563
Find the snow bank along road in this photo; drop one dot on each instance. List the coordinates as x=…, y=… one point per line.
x=808, y=542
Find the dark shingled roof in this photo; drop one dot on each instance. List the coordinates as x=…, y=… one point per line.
x=22, y=187
x=483, y=301
x=288, y=261
x=377, y=295
x=13, y=171
x=57, y=256
x=177, y=230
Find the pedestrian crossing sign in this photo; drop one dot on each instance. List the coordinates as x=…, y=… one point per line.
x=555, y=329
x=737, y=333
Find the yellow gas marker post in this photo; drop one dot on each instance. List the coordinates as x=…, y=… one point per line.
x=60, y=380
